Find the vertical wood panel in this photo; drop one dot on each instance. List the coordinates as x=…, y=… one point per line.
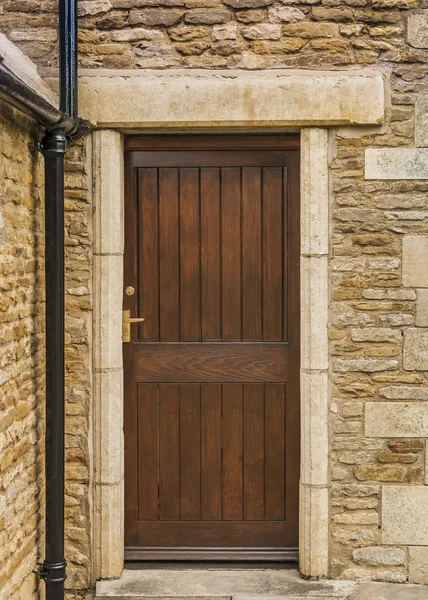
x=274, y=451
x=294, y=234
x=148, y=445
x=190, y=268
x=253, y=452
x=232, y=452
x=190, y=451
x=211, y=467
x=273, y=244
x=251, y=254
x=210, y=254
x=149, y=253
x=169, y=255
x=169, y=452
x=231, y=254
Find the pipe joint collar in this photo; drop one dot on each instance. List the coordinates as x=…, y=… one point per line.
x=53, y=572
x=54, y=142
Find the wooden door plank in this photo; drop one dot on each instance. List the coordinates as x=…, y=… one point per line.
x=231, y=254
x=210, y=255
x=190, y=268
x=274, y=238
x=251, y=254
x=232, y=429
x=214, y=362
x=169, y=254
x=190, y=452
x=148, y=447
x=292, y=233
x=274, y=451
x=211, y=452
x=254, y=508
x=148, y=292
x=169, y=452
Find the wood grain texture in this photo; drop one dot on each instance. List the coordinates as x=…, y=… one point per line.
x=212, y=376
x=210, y=362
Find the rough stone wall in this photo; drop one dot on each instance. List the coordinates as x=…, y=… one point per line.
x=22, y=364
x=378, y=282
x=21, y=357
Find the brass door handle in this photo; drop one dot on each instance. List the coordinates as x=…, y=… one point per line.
x=126, y=324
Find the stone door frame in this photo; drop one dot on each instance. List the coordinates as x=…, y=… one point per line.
x=106, y=155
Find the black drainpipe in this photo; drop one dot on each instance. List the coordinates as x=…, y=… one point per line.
x=53, y=148
x=62, y=127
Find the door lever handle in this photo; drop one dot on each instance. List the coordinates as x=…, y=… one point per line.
x=126, y=324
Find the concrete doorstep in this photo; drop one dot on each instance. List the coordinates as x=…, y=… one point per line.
x=246, y=584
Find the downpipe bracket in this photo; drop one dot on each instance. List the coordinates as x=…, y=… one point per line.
x=52, y=572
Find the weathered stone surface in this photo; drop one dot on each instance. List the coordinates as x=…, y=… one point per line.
x=247, y=3
x=224, y=32
x=154, y=16
x=263, y=31
x=396, y=163
x=418, y=564
x=404, y=393
x=378, y=556
x=415, y=252
x=417, y=28
x=207, y=17
x=285, y=14
x=422, y=308
x=376, y=334
x=405, y=515
x=369, y=365
x=415, y=351
x=396, y=419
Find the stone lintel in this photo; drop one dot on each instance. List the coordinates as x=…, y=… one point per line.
x=187, y=98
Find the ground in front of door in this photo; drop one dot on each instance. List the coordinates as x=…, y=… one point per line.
x=245, y=584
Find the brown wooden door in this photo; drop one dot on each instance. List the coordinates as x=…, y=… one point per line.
x=212, y=376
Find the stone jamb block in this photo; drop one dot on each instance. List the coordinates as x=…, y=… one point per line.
x=108, y=217
x=415, y=256
x=396, y=163
x=396, y=419
x=314, y=203
x=314, y=533
x=314, y=312
x=108, y=427
x=314, y=418
x=109, y=543
x=108, y=279
x=405, y=515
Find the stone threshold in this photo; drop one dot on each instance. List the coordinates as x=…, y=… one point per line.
x=245, y=584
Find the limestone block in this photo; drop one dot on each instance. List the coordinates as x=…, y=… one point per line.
x=314, y=417
x=415, y=254
x=415, y=351
x=314, y=192
x=378, y=556
x=376, y=334
x=184, y=98
x=108, y=422
x=108, y=272
x=396, y=163
x=262, y=31
x=421, y=120
x=369, y=365
x=417, y=28
x=314, y=535
x=422, y=308
x=403, y=392
x=405, y=515
x=418, y=564
x=314, y=294
x=109, y=530
x=396, y=419
x=109, y=185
